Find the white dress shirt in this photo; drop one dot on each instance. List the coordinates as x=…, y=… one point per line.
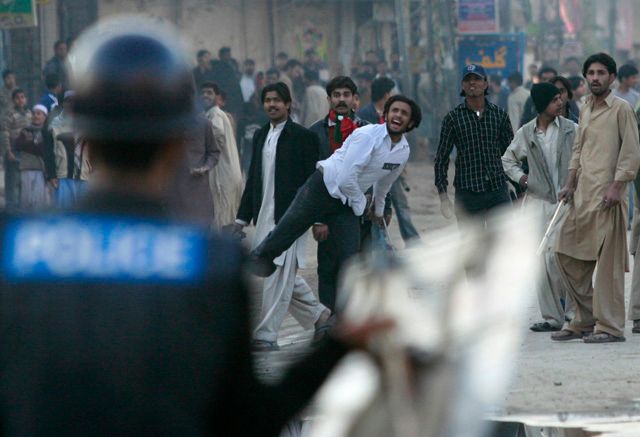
x=367, y=158
x=266, y=217
x=548, y=140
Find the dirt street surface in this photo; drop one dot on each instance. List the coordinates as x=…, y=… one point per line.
x=555, y=384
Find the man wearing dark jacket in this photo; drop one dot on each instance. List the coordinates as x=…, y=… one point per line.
x=332, y=131
x=114, y=320
x=284, y=156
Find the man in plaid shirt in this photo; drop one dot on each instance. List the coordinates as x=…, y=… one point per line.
x=480, y=132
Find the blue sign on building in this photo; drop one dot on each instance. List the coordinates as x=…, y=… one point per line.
x=498, y=53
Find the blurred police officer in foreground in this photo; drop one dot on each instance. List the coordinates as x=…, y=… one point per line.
x=113, y=320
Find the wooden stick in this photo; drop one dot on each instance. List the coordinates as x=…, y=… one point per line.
x=546, y=234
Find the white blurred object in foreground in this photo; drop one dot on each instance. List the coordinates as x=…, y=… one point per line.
x=459, y=304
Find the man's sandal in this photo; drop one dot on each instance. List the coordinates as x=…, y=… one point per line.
x=603, y=337
x=565, y=335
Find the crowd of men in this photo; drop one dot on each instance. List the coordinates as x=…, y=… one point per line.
x=261, y=136
x=140, y=313
x=575, y=169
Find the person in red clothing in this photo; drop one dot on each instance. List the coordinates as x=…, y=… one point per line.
x=332, y=131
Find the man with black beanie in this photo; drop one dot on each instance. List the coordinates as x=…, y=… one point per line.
x=545, y=143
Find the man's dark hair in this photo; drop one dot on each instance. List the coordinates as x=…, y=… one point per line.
x=603, y=59
x=516, y=78
x=575, y=82
x=282, y=55
x=249, y=61
x=416, y=112
x=201, y=53
x=52, y=80
x=626, y=71
x=291, y=63
x=58, y=44
x=547, y=69
x=565, y=83
x=309, y=52
x=280, y=88
x=380, y=87
x=273, y=70
x=341, y=82
x=6, y=73
x=224, y=50
x=211, y=85
x=16, y=92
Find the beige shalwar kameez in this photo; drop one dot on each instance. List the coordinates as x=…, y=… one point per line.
x=225, y=179
x=594, y=237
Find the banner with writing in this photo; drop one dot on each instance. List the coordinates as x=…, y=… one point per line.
x=498, y=53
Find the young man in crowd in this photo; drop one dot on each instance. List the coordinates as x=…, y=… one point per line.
x=284, y=156
x=333, y=130
x=54, y=88
x=30, y=146
x=381, y=91
x=225, y=178
x=545, y=144
x=373, y=156
x=18, y=118
x=517, y=99
x=481, y=132
x=627, y=79
x=606, y=157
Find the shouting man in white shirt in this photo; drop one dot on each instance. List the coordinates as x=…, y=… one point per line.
x=373, y=156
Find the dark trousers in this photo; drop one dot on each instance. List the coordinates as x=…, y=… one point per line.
x=11, y=184
x=313, y=204
x=477, y=205
x=328, y=268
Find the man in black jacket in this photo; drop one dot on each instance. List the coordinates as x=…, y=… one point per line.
x=115, y=321
x=332, y=131
x=284, y=156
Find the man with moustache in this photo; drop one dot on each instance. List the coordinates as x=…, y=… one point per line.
x=284, y=156
x=373, y=156
x=481, y=132
x=333, y=130
x=606, y=157
x=545, y=144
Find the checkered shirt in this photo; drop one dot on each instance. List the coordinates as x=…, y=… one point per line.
x=480, y=144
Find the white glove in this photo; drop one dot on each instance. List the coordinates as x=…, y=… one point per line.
x=446, y=207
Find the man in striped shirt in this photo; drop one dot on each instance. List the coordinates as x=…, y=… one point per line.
x=481, y=132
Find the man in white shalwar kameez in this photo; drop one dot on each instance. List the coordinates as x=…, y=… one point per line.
x=225, y=178
x=283, y=153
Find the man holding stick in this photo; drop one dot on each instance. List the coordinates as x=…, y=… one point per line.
x=545, y=143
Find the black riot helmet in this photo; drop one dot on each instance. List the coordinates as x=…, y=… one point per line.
x=132, y=82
